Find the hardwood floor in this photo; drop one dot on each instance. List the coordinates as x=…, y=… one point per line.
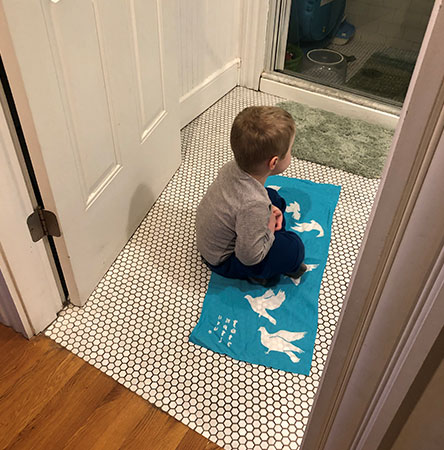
x=51, y=399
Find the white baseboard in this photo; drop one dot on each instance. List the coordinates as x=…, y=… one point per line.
x=335, y=105
x=208, y=92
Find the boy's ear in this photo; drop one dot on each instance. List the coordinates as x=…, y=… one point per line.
x=272, y=163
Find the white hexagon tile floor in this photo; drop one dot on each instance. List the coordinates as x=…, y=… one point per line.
x=136, y=324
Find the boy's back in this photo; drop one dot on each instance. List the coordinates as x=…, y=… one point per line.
x=233, y=217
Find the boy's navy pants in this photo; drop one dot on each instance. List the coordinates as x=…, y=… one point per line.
x=285, y=255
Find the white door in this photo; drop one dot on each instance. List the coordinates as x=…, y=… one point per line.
x=100, y=78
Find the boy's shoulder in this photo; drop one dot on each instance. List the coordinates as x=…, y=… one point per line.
x=230, y=167
x=233, y=171
x=239, y=184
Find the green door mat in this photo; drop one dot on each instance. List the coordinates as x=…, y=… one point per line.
x=332, y=140
x=385, y=74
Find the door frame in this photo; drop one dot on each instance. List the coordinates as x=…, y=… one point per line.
x=253, y=45
x=19, y=94
x=28, y=269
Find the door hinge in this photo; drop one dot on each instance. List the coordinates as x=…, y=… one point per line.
x=42, y=223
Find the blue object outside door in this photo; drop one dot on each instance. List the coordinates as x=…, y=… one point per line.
x=314, y=20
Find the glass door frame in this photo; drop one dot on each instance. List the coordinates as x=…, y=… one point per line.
x=276, y=42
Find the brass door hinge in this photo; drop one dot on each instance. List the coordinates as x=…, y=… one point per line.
x=42, y=223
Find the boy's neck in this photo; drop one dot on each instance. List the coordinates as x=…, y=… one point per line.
x=261, y=178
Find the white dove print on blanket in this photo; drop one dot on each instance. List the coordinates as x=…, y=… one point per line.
x=267, y=301
x=313, y=225
x=281, y=342
x=295, y=209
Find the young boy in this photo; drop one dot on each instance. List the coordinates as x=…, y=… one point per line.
x=240, y=224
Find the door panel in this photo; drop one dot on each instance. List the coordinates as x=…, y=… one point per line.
x=103, y=94
x=76, y=39
x=148, y=63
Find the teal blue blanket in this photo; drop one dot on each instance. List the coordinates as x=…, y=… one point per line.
x=275, y=327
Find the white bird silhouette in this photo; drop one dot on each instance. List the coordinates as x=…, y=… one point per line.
x=310, y=267
x=267, y=301
x=295, y=209
x=313, y=225
x=281, y=342
x=276, y=188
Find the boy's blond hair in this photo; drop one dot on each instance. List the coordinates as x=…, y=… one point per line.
x=258, y=134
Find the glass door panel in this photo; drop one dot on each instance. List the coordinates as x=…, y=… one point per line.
x=368, y=47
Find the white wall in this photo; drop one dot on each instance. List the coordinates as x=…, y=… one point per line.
x=209, y=35
x=395, y=23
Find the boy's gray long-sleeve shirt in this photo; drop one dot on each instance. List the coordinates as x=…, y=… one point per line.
x=232, y=217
